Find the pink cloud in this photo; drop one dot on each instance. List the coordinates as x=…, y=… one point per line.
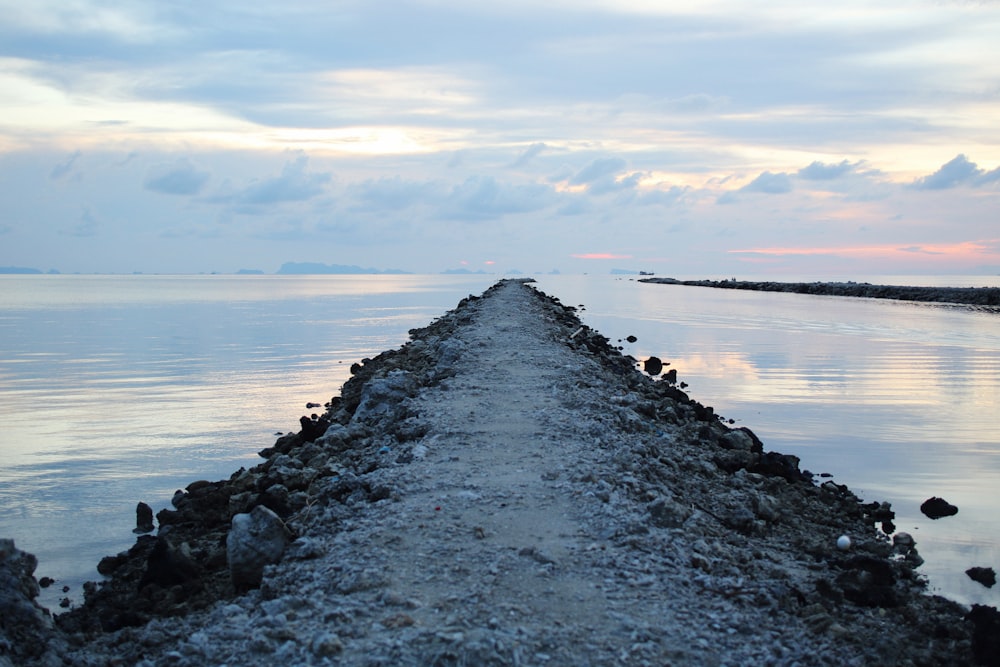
x=601, y=255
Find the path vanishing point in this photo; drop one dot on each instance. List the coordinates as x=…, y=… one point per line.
x=508, y=489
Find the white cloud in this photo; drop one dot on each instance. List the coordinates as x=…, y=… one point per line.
x=599, y=169
x=820, y=171
x=483, y=197
x=959, y=171
x=611, y=119
x=768, y=183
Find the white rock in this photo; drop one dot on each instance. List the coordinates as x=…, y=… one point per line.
x=255, y=540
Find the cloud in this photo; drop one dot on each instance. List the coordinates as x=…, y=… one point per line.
x=820, y=171
x=600, y=169
x=528, y=155
x=664, y=197
x=916, y=249
x=396, y=193
x=959, y=171
x=292, y=185
x=64, y=168
x=179, y=178
x=768, y=183
x=484, y=197
x=86, y=226
x=601, y=255
x=765, y=183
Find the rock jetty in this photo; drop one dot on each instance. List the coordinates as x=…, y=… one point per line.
x=988, y=297
x=507, y=489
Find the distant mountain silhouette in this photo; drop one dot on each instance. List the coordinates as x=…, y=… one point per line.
x=314, y=268
x=24, y=270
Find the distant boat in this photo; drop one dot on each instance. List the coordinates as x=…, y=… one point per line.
x=646, y=273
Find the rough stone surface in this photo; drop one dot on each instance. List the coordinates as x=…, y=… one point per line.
x=256, y=540
x=515, y=491
x=26, y=630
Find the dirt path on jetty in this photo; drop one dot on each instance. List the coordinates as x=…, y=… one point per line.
x=507, y=489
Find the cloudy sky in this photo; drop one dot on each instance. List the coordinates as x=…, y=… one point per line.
x=709, y=138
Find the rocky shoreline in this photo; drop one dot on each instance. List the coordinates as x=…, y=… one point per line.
x=988, y=297
x=508, y=488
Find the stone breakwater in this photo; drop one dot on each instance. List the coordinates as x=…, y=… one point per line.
x=973, y=296
x=507, y=488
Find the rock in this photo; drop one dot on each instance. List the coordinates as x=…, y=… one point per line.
x=653, y=366
x=935, y=508
x=986, y=635
x=766, y=507
x=775, y=464
x=666, y=513
x=742, y=439
x=312, y=428
x=381, y=397
x=869, y=582
x=168, y=566
x=25, y=628
x=326, y=644
x=109, y=564
x=255, y=540
x=986, y=576
x=903, y=541
x=143, y=519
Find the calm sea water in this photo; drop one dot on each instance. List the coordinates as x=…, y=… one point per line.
x=115, y=389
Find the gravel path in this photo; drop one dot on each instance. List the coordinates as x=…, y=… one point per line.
x=507, y=489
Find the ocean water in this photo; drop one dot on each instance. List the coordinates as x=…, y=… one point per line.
x=116, y=389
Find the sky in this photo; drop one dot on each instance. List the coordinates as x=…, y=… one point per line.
x=711, y=138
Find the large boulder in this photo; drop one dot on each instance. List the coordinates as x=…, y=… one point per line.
x=256, y=540
x=382, y=399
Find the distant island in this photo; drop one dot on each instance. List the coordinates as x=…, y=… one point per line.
x=22, y=270
x=975, y=296
x=318, y=268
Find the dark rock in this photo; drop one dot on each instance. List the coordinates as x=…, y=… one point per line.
x=168, y=566
x=143, y=519
x=653, y=366
x=25, y=628
x=935, y=508
x=312, y=428
x=986, y=576
x=776, y=464
x=986, y=634
x=869, y=582
x=109, y=564
x=45, y=582
x=631, y=339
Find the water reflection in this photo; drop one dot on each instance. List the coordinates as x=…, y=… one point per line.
x=896, y=400
x=120, y=389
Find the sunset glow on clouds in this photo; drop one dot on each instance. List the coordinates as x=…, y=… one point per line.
x=702, y=139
